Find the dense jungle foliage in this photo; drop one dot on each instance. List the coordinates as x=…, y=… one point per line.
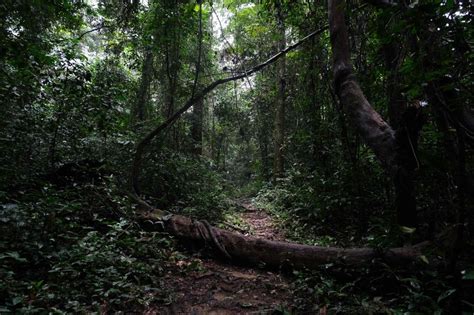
x=83, y=83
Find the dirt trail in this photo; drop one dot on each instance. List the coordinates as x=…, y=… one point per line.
x=213, y=287
x=260, y=222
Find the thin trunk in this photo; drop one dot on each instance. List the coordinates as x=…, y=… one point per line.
x=407, y=123
x=396, y=102
x=279, y=134
x=172, y=69
x=196, y=127
x=455, y=150
x=263, y=140
x=350, y=149
x=198, y=108
x=139, y=112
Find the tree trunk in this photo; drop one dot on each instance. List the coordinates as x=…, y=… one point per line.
x=240, y=248
x=379, y=136
x=196, y=127
x=396, y=101
x=139, y=109
x=279, y=134
x=263, y=124
x=395, y=150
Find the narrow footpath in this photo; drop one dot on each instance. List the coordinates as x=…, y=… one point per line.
x=208, y=286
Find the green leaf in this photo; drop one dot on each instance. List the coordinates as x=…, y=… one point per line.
x=450, y=4
x=13, y=255
x=17, y=300
x=407, y=230
x=468, y=275
x=446, y=294
x=424, y=259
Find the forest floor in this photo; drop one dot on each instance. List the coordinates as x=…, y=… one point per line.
x=208, y=286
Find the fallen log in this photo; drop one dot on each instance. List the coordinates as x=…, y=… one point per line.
x=240, y=248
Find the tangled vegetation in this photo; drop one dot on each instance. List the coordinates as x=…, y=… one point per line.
x=353, y=131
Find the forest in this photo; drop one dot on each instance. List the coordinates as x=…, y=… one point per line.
x=236, y=157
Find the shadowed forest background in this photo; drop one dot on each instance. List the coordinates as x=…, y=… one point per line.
x=135, y=136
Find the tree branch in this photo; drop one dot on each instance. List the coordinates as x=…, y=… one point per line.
x=90, y=31
x=137, y=161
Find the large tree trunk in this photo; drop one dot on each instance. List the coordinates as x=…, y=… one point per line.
x=395, y=149
x=240, y=248
x=379, y=136
x=279, y=134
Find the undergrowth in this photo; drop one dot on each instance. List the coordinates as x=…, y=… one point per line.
x=186, y=185
x=317, y=210
x=77, y=249
x=378, y=289
x=71, y=244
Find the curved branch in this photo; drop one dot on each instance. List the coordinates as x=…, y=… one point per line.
x=98, y=28
x=81, y=35
x=378, y=135
x=137, y=161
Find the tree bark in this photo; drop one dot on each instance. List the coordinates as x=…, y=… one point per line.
x=396, y=150
x=379, y=136
x=240, y=248
x=196, y=127
x=198, y=108
x=279, y=131
x=139, y=108
x=264, y=137
x=396, y=102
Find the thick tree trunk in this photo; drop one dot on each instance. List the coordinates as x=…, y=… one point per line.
x=407, y=123
x=395, y=150
x=455, y=153
x=279, y=133
x=378, y=135
x=240, y=248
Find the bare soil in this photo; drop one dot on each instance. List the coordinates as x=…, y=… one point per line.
x=207, y=286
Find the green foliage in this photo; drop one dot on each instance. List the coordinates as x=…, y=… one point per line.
x=185, y=185
x=71, y=74
x=320, y=208
x=375, y=289
x=77, y=250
